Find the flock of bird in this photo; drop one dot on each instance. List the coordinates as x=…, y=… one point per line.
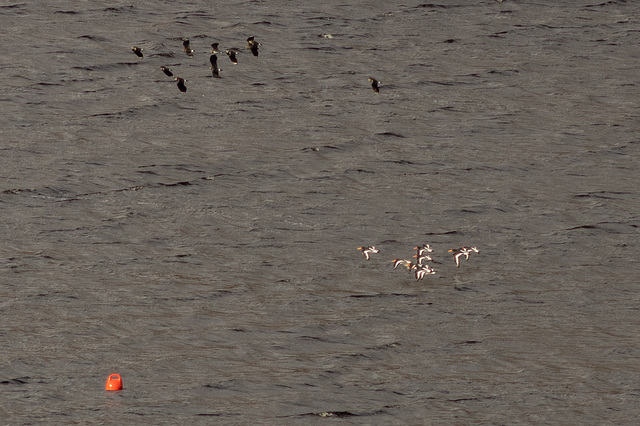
x=421, y=268
x=252, y=45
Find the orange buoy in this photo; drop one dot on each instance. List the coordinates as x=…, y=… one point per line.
x=114, y=382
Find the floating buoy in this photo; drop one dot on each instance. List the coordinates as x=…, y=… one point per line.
x=114, y=382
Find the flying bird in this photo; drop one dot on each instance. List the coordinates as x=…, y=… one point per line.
x=368, y=251
x=462, y=251
x=181, y=84
x=403, y=262
x=232, y=55
x=187, y=47
x=421, y=271
x=374, y=84
x=253, y=45
x=425, y=248
x=214, y=65
x=420, y=258
x=138, y=51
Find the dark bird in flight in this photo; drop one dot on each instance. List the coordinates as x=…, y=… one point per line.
x=181, y=84
x=187, y=47
x=214, y=65
x=137, y=51
x=253, y=45
x=232, y=55
x=374, y=84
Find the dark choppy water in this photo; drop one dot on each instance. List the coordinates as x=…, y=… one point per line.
x=203, y=245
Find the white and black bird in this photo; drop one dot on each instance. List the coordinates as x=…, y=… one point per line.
x=181, y=85
x=403, y=262
x=420, y=258
x=425, y=248
x=375, y=84
x=462, y=251
x=253, y=45
x=232, y=56
x=138, y=51
x=368, y=251
x=215, y=71
x=186, y=47
x=421, y=271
